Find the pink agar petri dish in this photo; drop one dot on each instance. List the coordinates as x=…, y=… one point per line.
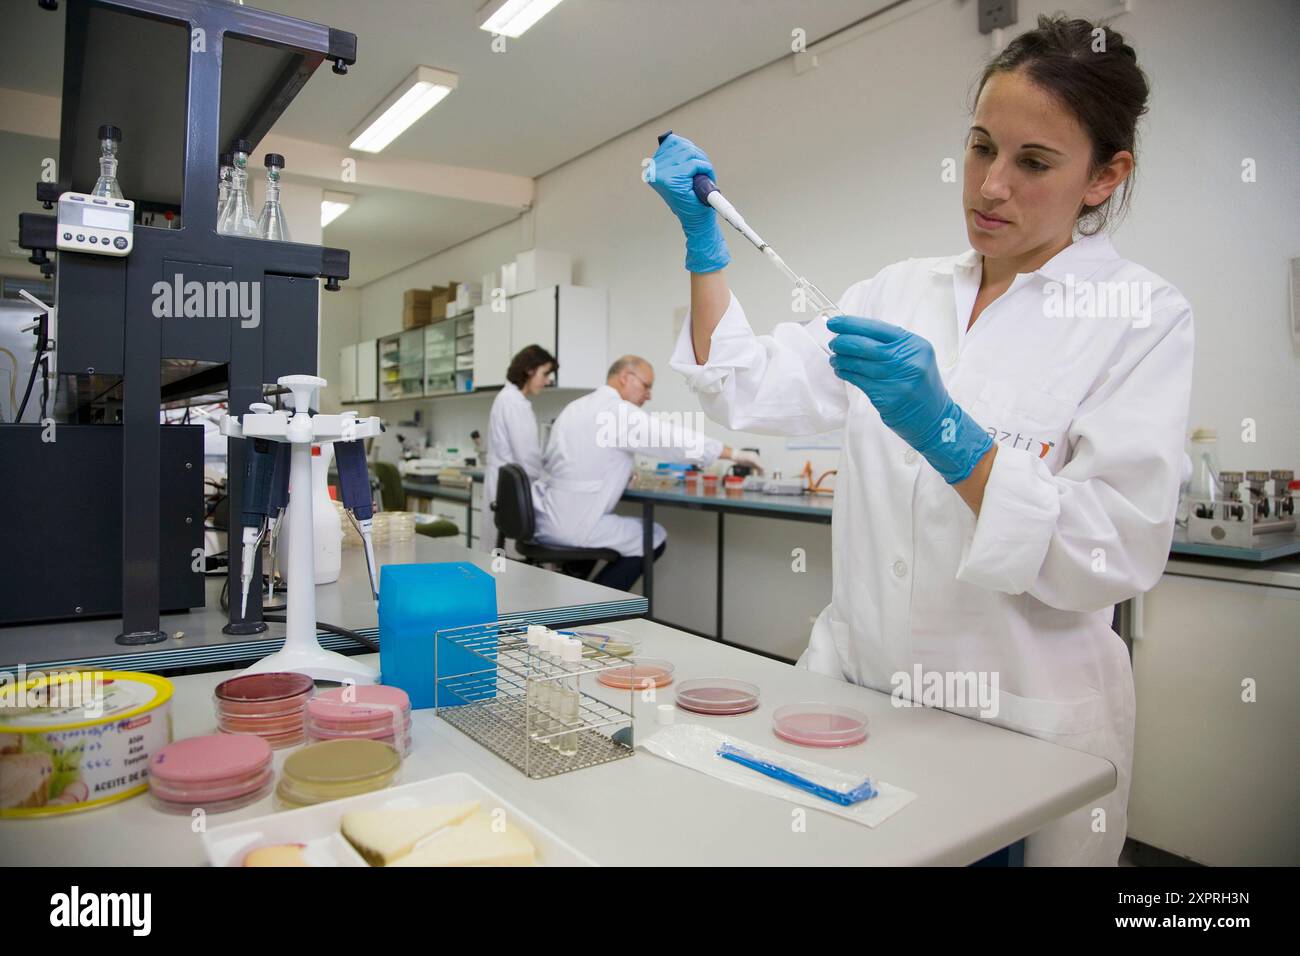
x=216, y=772
x=373, y=712
x=638, y=674
x=717, y=696
x=818, y=724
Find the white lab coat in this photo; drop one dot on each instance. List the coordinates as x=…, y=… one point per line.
x=585, y=474
x=1089, y=415
x=512, y=440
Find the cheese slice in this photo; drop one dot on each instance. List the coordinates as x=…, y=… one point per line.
x=382, y=836
x=474, y=843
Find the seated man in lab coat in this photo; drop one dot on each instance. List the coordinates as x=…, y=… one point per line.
x=589, y=459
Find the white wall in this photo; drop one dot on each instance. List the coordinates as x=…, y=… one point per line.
x=840, y=169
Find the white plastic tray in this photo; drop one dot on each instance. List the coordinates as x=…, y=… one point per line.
x=318, y=826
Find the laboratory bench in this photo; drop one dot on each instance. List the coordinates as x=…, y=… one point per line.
x=814, y=508
x=979, y=788
x=429, y=489
x=196, y=639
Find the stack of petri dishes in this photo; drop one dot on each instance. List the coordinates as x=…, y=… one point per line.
x=372, y=712
x=217, y=772
x=333, y=769
x=270, y=706
x=717, y=696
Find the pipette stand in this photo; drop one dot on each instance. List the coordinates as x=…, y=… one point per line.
x=302, y=652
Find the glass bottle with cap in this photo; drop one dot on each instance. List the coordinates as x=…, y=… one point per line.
x=225, y=171
x=236, y=219
x=271, y=224
x=106, y=185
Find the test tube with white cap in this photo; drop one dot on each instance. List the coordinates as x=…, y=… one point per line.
x=569, y=695
x=532, y=691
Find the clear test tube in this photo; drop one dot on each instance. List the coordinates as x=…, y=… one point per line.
x=572, y=653
x=555, y=689
x=532, y=687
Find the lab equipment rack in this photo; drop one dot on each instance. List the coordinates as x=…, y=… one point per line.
x=184, y=80
x=490, y=704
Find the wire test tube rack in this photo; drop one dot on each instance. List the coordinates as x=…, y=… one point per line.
x=492, y=705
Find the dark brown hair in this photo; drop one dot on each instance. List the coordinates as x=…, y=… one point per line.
x=1094, y=74
x=527, y=361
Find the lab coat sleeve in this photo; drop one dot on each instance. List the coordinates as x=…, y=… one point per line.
x=778, y=384
x=527, y=449
x=667, y=439
x=1098, y=531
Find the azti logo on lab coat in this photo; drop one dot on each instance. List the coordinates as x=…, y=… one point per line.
x=1039, y=447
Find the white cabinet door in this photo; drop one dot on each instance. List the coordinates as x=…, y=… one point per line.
x=583, y=337
x=347, y=383
x=532, y=321
x=492, y=345
x=1215, y=754
x=367, y=389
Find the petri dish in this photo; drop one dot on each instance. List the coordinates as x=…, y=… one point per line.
x=217, y=772
x=819, y=724
x=332, y=769
x=260, y=695
x=607, y=641
x=717, y=696
x=638, y=673
x=267, y=705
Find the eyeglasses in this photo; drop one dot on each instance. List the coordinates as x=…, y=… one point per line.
x=649, y=386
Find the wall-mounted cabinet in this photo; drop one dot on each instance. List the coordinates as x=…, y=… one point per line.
x=401, y=365
x=570, y=322
x=358, y=372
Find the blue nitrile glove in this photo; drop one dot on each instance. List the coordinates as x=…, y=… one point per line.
x=898, y=372
x=676, y=163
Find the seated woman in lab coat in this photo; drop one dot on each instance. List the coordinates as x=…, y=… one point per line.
x=1013, y=418
x=512, y=430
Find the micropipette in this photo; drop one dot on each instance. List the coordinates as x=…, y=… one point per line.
x=258, y=472
x=707, y=192
x=354, y=485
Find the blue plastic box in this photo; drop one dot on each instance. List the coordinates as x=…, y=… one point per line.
x=416, y=601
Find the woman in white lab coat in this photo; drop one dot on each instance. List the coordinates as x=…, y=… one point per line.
x=512, y=430
x=1013, y=419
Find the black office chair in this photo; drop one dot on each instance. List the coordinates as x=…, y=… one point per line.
x=517, y=521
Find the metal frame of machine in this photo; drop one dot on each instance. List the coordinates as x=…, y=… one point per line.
x=107, y=325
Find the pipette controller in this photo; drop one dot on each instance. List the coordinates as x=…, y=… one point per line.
x=708, y=193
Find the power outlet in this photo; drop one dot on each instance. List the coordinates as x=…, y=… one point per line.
x=996, y=13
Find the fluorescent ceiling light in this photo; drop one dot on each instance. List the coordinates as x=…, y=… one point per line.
x=512, y=17
x=333, y=205
x=414, y=96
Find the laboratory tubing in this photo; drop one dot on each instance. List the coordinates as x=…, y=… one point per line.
x=237, y=218
x=271, y=224
x=106, y=186
x=572, y=653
